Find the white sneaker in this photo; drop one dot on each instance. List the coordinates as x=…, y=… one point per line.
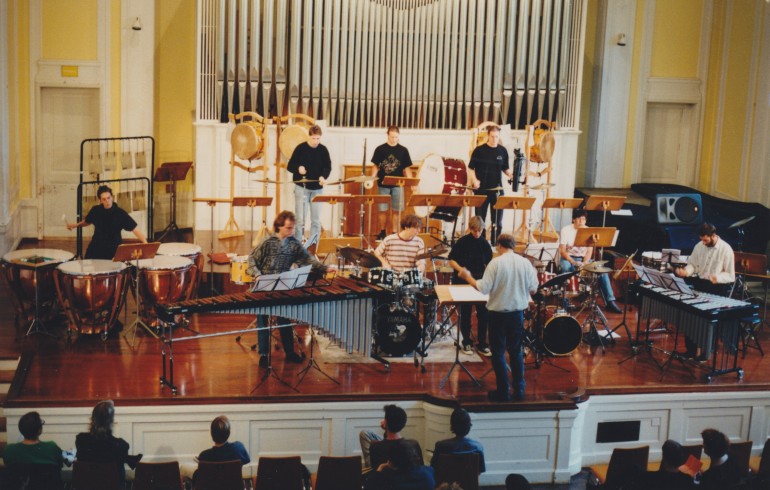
x=484, y=351
x=467, y=349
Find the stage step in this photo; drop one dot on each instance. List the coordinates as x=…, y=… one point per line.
x=6, y=376
x=7, y=372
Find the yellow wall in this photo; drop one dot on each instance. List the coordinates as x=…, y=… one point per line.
x=70, y=30
x=676, y=38
x=115, y=40
x=175, y=80
x=21, y=88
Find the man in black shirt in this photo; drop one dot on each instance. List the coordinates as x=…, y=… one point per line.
x=309, y=162
x=472, y=252
x=391, y=159
x=108, y=220
x=488, y=162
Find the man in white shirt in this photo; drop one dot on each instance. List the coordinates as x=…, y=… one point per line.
x=509, y=280
x=572, y=257
x=711, y=266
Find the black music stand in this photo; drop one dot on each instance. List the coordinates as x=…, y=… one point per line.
x=311, y=362
x=596, y=237
x=252, y=202
x=136, y=252
x=627, y=268
x=277, y=282
x=445, y=296
x=171, y=172
x=211, y=202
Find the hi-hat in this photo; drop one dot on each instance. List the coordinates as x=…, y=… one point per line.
x=740, y=223
x=431, y=253
x=596, y=267
x=360, y=257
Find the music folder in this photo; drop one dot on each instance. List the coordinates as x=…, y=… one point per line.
x=596, y=237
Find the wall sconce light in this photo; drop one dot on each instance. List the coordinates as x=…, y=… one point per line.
x=137, y=25
x=621, y=39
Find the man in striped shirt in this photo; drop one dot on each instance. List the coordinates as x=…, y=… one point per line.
x=399, y=251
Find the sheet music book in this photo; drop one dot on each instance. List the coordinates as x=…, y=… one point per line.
x=465, y=293
x=311, y=241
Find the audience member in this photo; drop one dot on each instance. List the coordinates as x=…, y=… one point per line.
x=399, y=471
x=375, y=447
x=460, y=425
x=723, y=471
x=668, y=477
x=46, y=456
x=222, y=449
x=98, y=445
x=515, y=481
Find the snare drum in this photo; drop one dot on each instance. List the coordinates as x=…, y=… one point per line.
x=92, y=292
x=382, y=276
x=543, y=277
x=164, y=279
x=29, y=274
x=653, y=260
x=238, y=267
x=572, y=286
x=189, y=250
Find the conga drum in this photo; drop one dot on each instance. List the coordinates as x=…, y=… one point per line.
x=164, y=279
x=192, y=252
x=92, y=292
x=29, y=274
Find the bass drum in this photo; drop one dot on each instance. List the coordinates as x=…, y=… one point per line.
x=562, y=335
x=398, y=330
x=439, y=175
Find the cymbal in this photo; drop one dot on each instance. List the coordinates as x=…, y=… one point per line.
x=431, y=253
x=740, y=223
x=498, y=188
x=304, y=181
x=540, y=186
x=360, y=257
x=360, y=178
x=596, y=267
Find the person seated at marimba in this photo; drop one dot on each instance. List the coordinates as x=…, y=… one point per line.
x=572, y=257
x=399, y=251
x=276, y=254
x=711, y=266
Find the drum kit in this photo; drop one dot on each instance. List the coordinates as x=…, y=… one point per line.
x=92, y=292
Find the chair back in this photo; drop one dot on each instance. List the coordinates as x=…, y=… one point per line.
x=33, y=477
x=462, y=468
x=87, y=475
x=740, y=452
x=764, y=460
x=339, y=473
x=157, y=476
x=225, y=475
x=279, y=473
x=696, y=450
x=626, y=464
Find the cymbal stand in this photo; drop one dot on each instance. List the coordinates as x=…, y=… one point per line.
x=311, y=362
x=138, y=322
x=596, y=315
x=269, y=371
x=212, y=291
x=639, y=346
x=623, y=322
x=37, y=325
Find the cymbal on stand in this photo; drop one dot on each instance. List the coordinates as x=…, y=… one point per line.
x=360, y=257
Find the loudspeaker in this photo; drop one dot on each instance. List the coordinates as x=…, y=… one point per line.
x=678, y=209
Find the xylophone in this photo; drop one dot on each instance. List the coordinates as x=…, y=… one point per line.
x=705, y=318
x=342, y=309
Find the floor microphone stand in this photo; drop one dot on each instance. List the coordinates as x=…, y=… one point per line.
x=311, y=362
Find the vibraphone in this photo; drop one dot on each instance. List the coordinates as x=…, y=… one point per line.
x=342, y=309
x=706, y=318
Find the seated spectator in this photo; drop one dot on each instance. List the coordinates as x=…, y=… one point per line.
x=399, y=471
x=515, y=481
x=668, y=477
x=723, y=471
x=223, y=450
x=460, y=425
x=375, y=447
x=98, y=445
x=33, y=451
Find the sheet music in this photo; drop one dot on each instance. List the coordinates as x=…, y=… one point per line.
x=466, y=293
x=663, y=280
x=544, y=252
x=291, y=279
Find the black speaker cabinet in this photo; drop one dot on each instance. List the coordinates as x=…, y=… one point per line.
x=678, y=209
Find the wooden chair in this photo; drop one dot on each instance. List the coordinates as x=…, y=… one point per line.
x=33, y=477
x=461, y=468
x=761, y=464
x=95, y=476
x=218, y=476
x=157, y=476
x=740, y=452
x=696, y=450
x=338, y=473
x=623, y=462
x=279, y=473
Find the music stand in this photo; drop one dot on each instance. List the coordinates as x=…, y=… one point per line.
x=399, y=182
x=253, y=202
x=135, y=252
x=211, y=202
x=604, y=204
x=514, y=203
x=368, y=200
x=171, y=172
x=334, y=199
x=562, y=203
x=444, y=295
x=596, y=237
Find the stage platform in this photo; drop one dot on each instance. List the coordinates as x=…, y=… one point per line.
x=548, y=437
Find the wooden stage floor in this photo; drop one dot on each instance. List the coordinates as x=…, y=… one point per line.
x=63, y=372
